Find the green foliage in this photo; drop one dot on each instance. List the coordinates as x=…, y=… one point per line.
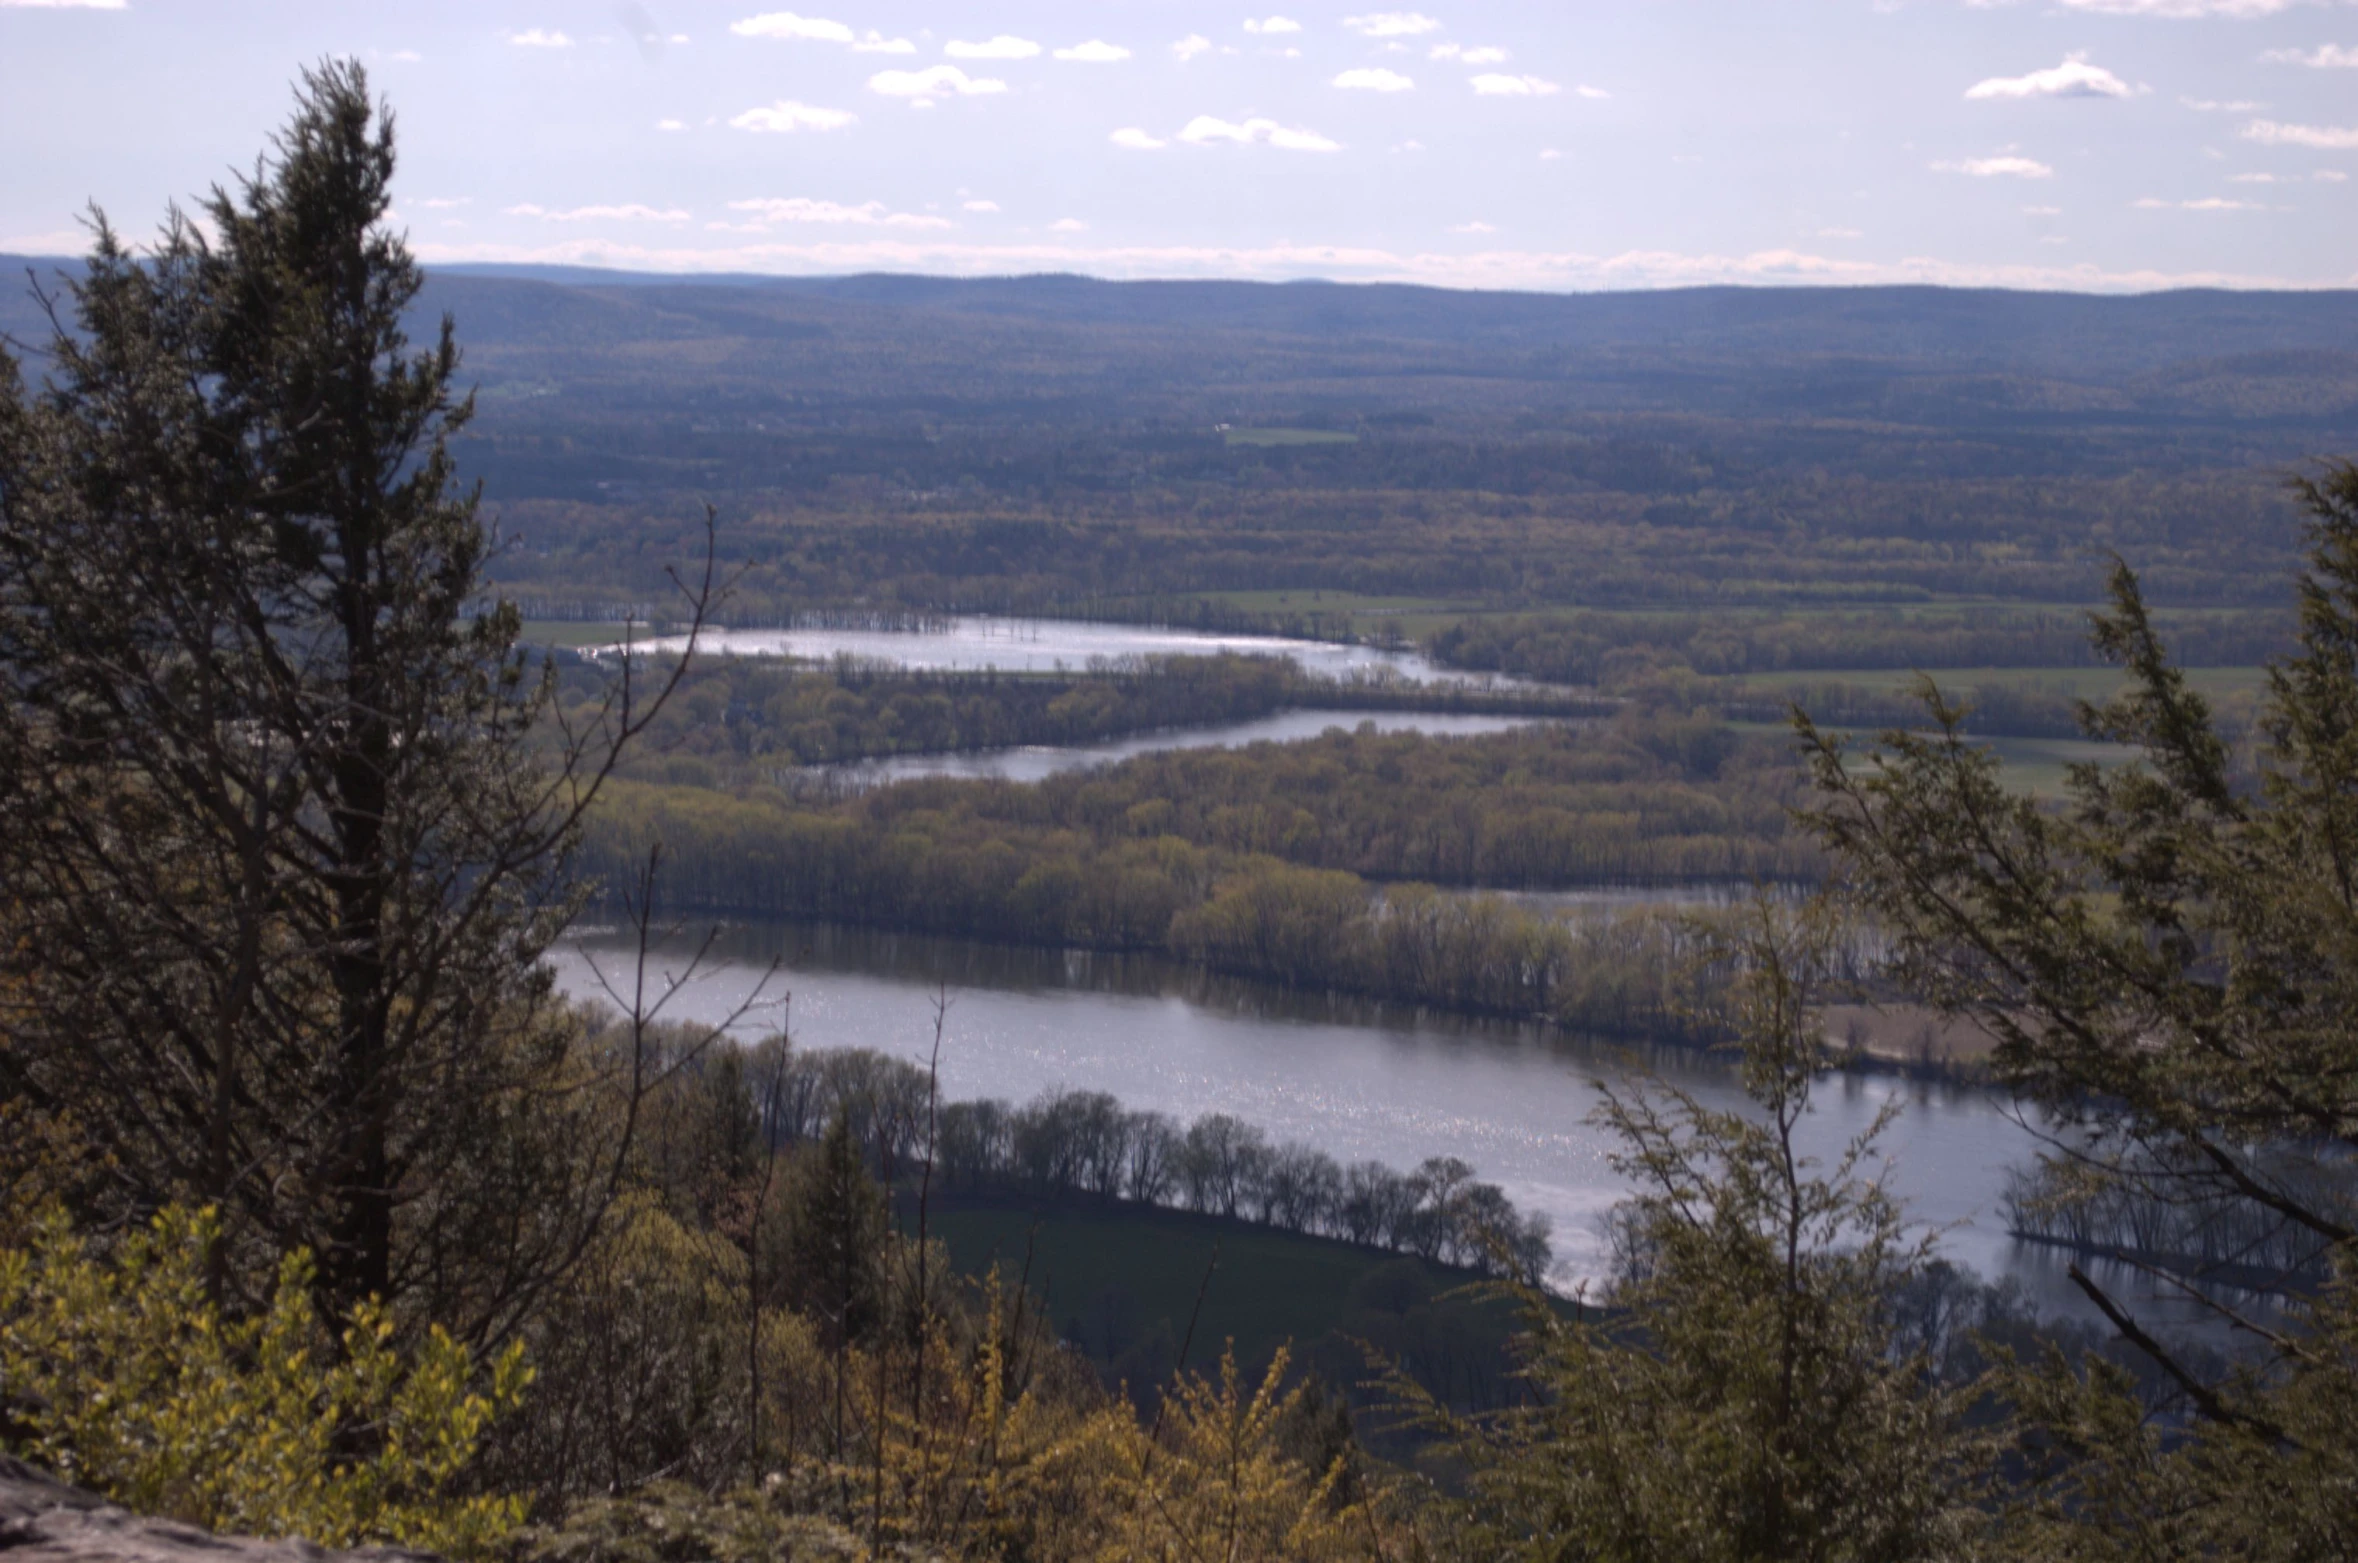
x=751, y=717
x=118, y=1371
x=1256, y=861
x=669, y=1522
x=283, y=846
x=1746, y=1395
x=2171, y=962
x=834, y=1220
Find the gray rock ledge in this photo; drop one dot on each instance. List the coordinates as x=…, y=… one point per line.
x=42, y=1520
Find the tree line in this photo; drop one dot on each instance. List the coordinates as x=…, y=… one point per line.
x=1654, y=796
x=741, y=720
x=1070, y=1142
x=1618, y=649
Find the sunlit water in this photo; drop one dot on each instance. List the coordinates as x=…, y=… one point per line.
x=976, y=642
x=1353, y=1078
x=1034, y=762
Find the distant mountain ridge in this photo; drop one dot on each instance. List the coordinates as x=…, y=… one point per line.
x=1004, y=441
x=1981, y=328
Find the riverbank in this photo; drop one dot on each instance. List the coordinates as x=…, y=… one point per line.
x=1358, y=1078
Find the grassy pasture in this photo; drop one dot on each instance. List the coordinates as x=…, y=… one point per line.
x=2033, y=765
x=1270, y=1287
x=2086, y=683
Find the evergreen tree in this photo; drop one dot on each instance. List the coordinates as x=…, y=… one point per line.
x=835, y=1221
x=1746, y=1393
x=2170, y=960
x=285, y=844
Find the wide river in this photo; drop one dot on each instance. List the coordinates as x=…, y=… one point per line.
x=1356, y=1079
x=979, y=641
x=1037, y=761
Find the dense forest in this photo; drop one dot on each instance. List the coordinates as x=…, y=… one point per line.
x=1031, y=443
x=323, y=1215
x=757, y=719
x=1311, y=864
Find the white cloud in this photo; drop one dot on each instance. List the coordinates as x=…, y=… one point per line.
x=1095, y=52
x=2008, y=167
x=68, y=5
x=1270, y=25
x=1204, y=130
x=1374, y=78
x=2326, y=138
x=2331, y=176
x=1392, y=24
x=2175, y=9
x=1587, y=91
x=633, y=213
x=818, y=29
x=440, y=203
x=540, y=38
x=1549, y=154
x=1473, y=227
x=2221, y=106
x=935, y=81
x=1136, y=140
x=1840, y=233
x=2042, y=211
x=787, y=115
x=1004, y=47
x=2074, y=78
x=58, y=241
x=980, y=206
x=670, y=124
x=1485, y=55
x=2209, y=203
x=1068, y=225
x=1493, y=85
x=398, y=56
x=1190, y=46
x=2325, y=57
x=785, y=24
x=802, y=209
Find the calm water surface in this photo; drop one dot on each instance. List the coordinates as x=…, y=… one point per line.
x=1355, y=1078
x=1051, y=645
x=1037, y=761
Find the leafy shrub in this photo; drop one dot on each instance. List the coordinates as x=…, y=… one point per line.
x=119, y=1371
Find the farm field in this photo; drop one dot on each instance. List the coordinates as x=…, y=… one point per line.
x=1121, y=1275
x=2085, y=683
x=2033, y=765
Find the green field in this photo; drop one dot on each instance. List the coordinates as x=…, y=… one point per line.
x=2086, y=683
x=1270, y=1287
x=2033, y=765
x=1288, y=437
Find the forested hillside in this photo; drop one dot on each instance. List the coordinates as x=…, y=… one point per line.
x=1039, y=442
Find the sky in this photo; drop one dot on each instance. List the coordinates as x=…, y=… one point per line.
x=2109, y=145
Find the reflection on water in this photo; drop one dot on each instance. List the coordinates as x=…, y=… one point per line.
x=1355, y=1077
x=1053, y=645
x=1035, y=762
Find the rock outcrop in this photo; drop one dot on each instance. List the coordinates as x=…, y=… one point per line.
x=42, y=1520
